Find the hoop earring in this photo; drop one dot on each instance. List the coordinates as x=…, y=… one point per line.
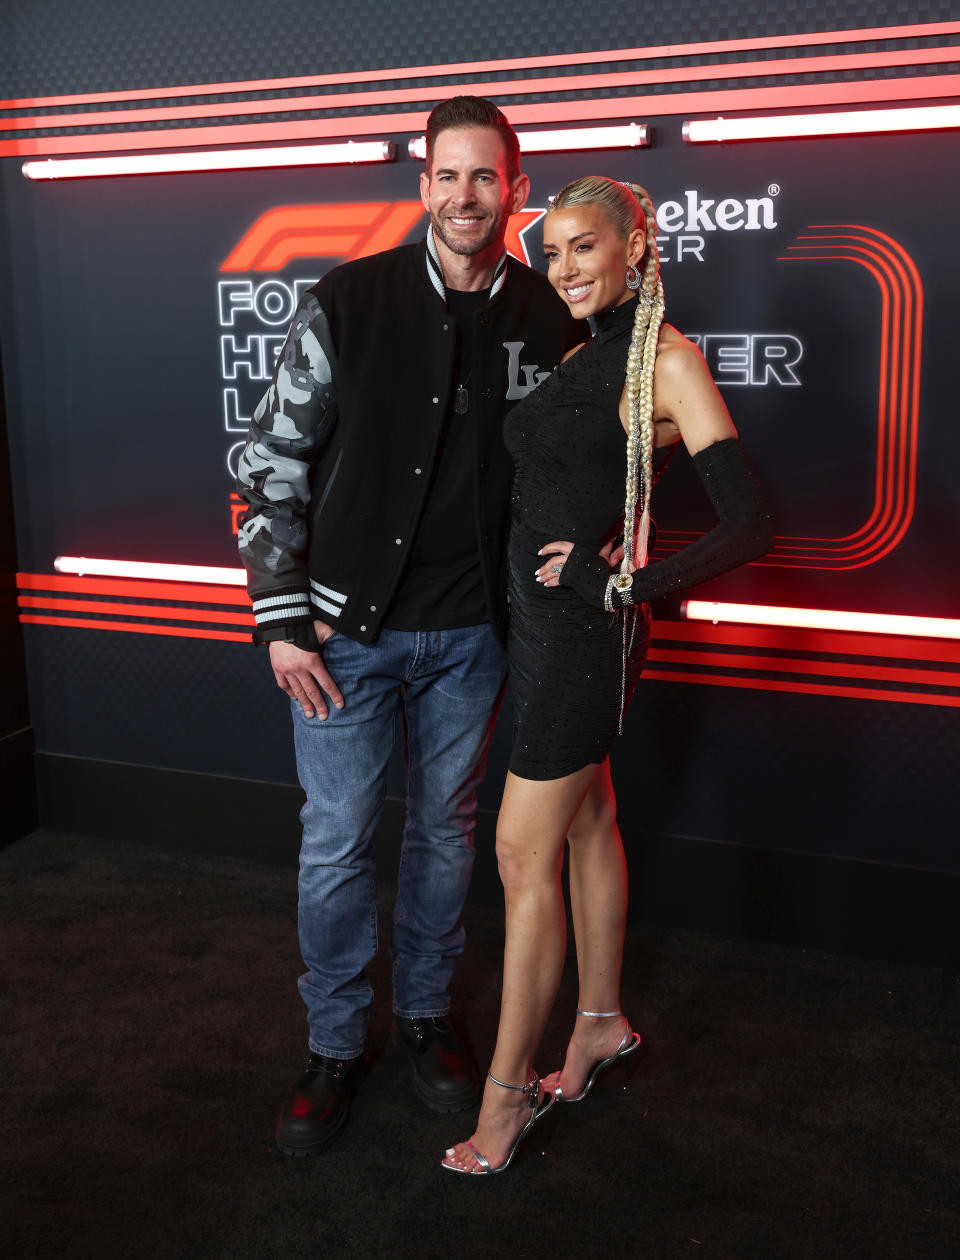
x=634, y=279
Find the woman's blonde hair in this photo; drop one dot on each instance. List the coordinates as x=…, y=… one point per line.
x=628, y=206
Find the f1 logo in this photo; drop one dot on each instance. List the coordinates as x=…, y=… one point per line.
x=344, y=230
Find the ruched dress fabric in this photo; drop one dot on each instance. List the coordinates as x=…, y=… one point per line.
x=566, y=657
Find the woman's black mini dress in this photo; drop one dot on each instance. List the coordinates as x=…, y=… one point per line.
x=566, y=658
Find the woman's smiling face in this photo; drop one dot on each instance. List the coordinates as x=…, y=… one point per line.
x=587, y=259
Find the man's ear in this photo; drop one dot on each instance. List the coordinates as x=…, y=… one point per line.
x=425, y=190
x=521, y=191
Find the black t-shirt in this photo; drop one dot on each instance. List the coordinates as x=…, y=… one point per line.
x=442, y=584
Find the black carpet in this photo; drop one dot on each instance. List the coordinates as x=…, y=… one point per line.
x=785, y=1103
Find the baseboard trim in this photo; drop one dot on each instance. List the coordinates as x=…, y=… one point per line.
x=807, y=899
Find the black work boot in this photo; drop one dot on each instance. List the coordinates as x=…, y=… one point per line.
x=445, y=1074
x=318, y=1108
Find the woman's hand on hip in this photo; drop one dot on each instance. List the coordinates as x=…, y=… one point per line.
x=555, y=557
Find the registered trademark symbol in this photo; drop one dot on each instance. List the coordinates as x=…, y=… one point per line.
x=774, y=190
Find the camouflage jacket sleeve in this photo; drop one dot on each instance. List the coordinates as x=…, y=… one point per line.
x=288, y=431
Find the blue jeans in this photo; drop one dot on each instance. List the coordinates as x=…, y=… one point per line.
x=446, y=686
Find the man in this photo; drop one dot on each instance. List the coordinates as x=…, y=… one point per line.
x=375, y=538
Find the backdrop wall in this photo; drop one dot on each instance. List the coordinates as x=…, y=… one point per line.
x=818, y=275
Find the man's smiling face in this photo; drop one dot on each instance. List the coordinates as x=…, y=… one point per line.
x=468, y=192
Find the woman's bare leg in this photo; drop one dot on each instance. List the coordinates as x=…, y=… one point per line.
x=598, y=901
x=531, y=831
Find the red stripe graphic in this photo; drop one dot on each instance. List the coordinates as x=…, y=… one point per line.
x=493, y=87
x=103, y=607
x=693, y=652
x=796, y=665
x=135, y=627
x=788, y=96
x=807, y=689
x=398, y=74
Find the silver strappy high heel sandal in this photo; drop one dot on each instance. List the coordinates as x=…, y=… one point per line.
x=631, y=1042
x=539, y=1101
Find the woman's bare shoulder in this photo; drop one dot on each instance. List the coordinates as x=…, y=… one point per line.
x=674, y=348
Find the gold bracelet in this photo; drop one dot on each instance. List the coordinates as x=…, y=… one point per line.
x=622, y=583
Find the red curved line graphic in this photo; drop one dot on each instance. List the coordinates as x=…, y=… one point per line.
x=886, y=390
x=888, y=432
x=908, y=385
x=895, y=493
x=914, y=409
x=880, y=507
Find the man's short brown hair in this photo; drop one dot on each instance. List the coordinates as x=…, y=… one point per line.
x=473, y=111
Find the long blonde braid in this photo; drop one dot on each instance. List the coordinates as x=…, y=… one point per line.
x=641, y=361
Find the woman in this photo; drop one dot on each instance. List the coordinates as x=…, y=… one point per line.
x=579, y=632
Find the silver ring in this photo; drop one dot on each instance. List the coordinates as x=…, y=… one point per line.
x=556, y=568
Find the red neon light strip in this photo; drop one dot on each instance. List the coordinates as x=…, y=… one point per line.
x=660, y=52
x=133, y=627
x=103, y=607
x=559, y=112
x=822, y=619
x=806, y=689
x=519, y=87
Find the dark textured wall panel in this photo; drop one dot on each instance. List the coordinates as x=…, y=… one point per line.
x=60, y=46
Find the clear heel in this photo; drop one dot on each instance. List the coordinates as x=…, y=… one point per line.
x=624, y=1056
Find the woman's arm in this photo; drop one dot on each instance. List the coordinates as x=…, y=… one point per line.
x=684, y=394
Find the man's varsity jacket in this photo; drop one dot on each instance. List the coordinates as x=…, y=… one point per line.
x=341, y=447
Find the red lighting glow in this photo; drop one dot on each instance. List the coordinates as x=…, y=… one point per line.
x=853, y=122
x=822, y=619
x=629, y=136
x=219, y=160
x=83, y=565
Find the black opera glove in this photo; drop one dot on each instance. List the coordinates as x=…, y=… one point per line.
x=742, y=533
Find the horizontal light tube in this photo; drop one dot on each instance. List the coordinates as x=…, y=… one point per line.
x=629, y=136
x=821, y=619
x=845, y=123
x=83, y=565
x=213, y=160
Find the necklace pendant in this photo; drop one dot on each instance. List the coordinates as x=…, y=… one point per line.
x=461, y=400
